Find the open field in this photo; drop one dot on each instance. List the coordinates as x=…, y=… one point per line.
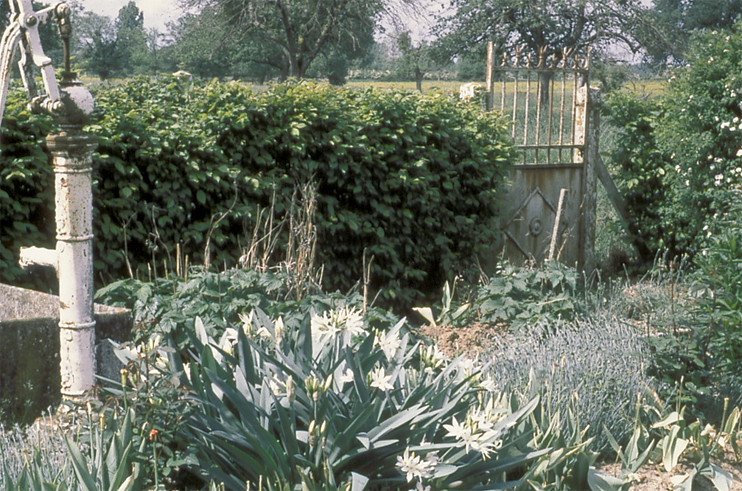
x=654, y=87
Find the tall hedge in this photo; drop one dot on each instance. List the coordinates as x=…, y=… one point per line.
x=412, y=179
x=26, y=191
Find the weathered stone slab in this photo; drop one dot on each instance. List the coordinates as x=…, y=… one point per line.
x=29, y=350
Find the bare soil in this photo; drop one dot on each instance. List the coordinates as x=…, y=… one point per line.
x=470, y=340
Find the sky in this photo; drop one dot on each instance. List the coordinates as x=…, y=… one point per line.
x=156, y=12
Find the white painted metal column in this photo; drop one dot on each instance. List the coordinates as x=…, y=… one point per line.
x=74, y=222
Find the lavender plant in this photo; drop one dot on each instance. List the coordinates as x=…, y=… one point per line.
x=47, y=458
x=35, y=447
x=601, y=360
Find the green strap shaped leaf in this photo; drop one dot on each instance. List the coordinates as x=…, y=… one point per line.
x=80, y=466
x=722, y=479
x=599, y=481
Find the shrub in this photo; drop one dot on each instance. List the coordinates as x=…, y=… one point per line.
x=680, y=157
x=640, y=170
x=703, y=361
x=526, y=296
x=601, y=361
x=700, y=131
x=26, y=190
x=412, y=180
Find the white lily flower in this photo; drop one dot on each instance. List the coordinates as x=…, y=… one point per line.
x=346, y=377
x=457, y=430
x=380, y=380
x=389, y=344
x=412, y=465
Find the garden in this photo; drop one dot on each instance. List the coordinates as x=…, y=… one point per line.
x=309, y=313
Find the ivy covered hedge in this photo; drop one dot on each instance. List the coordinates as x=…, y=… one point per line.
x=412, y=179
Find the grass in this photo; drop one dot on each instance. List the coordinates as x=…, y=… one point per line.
x=447, y=86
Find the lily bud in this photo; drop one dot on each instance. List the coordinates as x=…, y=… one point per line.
x=328, y=382
x=290, y=393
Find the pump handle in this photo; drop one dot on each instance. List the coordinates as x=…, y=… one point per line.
x=23, y=32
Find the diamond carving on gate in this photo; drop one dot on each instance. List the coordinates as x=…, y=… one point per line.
x=530, y=226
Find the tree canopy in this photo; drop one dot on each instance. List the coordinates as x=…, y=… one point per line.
x=666, y=37
x=265, y=39
x=97, y=46
x=290, y=35
x=109, y=48
x=550, y=24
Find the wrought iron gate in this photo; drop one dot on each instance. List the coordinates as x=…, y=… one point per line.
x=550, y=207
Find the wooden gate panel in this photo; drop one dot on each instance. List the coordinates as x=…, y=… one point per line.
x=529, y=221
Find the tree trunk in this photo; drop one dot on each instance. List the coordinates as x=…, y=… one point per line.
x=544, y=86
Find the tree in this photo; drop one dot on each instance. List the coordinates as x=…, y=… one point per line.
x=107, y=48
x=154, y=61
x=97, y=45
x=131, y=40
x=201, y=46
x=666, y=36
x=549, y=24
x=291, y=34
x=414, y=60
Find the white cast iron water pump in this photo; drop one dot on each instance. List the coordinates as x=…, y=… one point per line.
x=71, y=105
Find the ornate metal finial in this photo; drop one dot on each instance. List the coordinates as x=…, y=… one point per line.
x=541, y=56
x=64, y=26
x=553, y=61
x=518, y=52
x=567, y=55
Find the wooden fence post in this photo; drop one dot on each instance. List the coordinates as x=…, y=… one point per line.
x=490, y=80
x=588, y=213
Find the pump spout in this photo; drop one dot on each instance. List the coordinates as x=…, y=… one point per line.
x=38, y=256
